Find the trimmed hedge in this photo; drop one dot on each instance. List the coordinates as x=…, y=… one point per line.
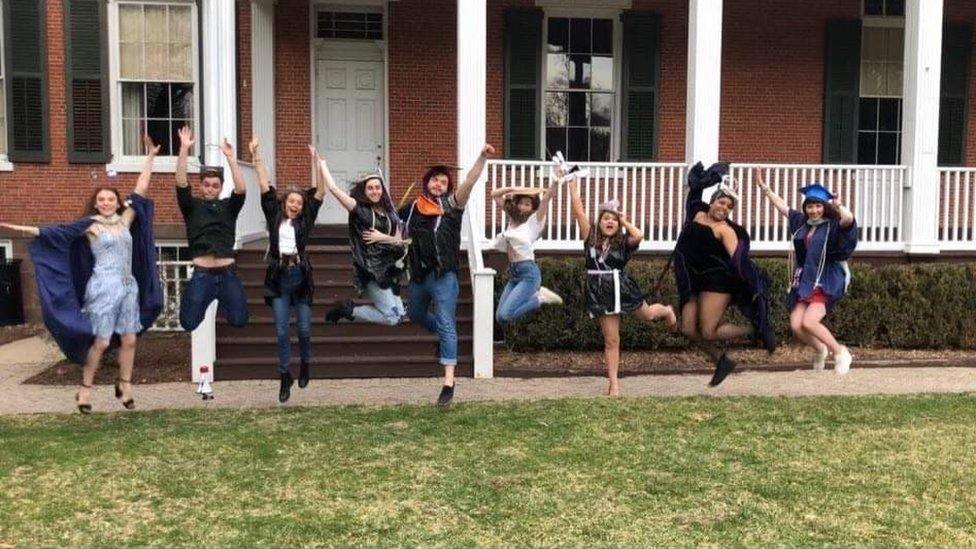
x=896, y=306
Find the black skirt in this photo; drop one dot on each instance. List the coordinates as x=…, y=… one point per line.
x=612, y=292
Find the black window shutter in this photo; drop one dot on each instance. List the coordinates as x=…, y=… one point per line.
x=842, y=74
x=956, y=45
x=523, y=94
x=26, y=50
x=86, y=81
x=641, y=62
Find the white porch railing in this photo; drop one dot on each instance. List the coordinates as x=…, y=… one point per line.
x=482, y=288
x=653, y=196
x=957, y=209
x=172, y=276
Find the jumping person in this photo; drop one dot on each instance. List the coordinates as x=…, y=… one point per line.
x=433, y=223
x=523, y=292
x=288, y=280
x=97, y=280
x=377, y=250
x=713, y=269
x=210, y=226
x=824, y=236
x=610, y=291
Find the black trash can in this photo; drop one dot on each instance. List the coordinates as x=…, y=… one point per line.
x=11, y=298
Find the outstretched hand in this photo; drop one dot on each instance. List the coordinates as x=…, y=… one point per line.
x=487, y=150
x=186, y=138
x=152, y=149
x=758, y=178
x=227, y=149
x=252, y=147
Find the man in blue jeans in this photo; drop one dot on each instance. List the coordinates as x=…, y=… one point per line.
x=210, y=223
x=433, y=223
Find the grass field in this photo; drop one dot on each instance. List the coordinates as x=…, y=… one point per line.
x=742, y=471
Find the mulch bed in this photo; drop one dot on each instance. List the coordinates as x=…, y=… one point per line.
x=160, y=357
x=164, y=357
x=9, y=334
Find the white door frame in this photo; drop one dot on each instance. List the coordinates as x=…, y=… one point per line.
x=317, y=45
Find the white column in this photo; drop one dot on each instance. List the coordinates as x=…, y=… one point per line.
x=704, y=81
x=472, y=30
x=263, y=79
x=920, y=124
x=219, y=78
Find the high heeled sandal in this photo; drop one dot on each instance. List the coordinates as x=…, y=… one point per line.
x=83, y=408
x=128, y=404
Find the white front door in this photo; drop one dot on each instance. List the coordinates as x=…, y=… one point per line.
x=349, y=116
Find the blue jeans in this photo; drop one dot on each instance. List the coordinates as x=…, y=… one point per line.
x=442, y=291
x=291, y=280
x=206, y=285
x=387, y=307
x=519, y=296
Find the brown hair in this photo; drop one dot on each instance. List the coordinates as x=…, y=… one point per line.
x=830, y=210
x=596, y=237
x=511, y=206
x=90, y=205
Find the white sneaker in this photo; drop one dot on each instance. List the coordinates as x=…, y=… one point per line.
x=820, y=359
x=548, y=297
x=842, y=361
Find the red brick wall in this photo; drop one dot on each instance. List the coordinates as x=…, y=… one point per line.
x=244, y=120
x=422, y=88
x=293, y=110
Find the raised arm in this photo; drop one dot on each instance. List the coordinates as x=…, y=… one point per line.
x=498, y=195
x=846, y=216
x=25, y=229
x=540, y=214
x=464, y=190
x=634, y=234
x=323, y=174
x=775, y=199
x=142, y=184
x=240, y=186
x=319, y=174
x=186, y=143
x=579, y=213
x=264, y=179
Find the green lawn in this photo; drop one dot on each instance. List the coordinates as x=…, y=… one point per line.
x=749, y=471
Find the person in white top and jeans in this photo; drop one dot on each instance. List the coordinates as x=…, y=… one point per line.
x=524, y=292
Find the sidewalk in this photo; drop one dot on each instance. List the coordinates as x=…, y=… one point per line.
x=22, y=359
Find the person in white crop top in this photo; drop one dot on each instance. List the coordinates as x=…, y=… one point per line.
x=526, y=212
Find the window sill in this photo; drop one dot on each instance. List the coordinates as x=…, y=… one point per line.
x=162, y=164
x=6, y=165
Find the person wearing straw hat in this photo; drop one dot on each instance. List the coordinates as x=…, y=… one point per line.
x=610, y=290
x=713, y=270
x=824, y=235
x=526, y=211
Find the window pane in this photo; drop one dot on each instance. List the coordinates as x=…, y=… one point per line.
x=157, y=31
x=558, y=34
x=602, y=75
x=873, y=79
x=579, y=75
x=873, y=47
x=873, y=7
x=888, y=115
x=579, y=36
x=130, y=60
x=557, y=109
x=895, y=45
x=157, y=61
x=132, y=137
x=555, y=141
x=887, y=148
x=600, y=144
x=603, y=36
x=182, y=96
x=130, y=23
x=157, y=100
x=895, y=7
x=557, y=70
x=578, y=109
x=866, y=147
x=132, y=105
x=180, y=25
x=3, y=120
x=159, y=131
x=578, y=147
x=601, y=109
x=868, y=114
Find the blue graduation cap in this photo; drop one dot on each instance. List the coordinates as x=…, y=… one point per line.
x=816, y=192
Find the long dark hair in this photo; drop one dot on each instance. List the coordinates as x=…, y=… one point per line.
x=596, y=238
x=511, y=207
x=358, y=193
x=90, y=205
x=830, y=210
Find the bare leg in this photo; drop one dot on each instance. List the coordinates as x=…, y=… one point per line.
x=689, y=327
x=610, y=324
x=655, y=311
x=796, y=324
x=712, y=306
x=812, y=325
x=92, y=362
x=449, y=376
x=127, y=356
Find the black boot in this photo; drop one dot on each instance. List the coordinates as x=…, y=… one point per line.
x=723, y=367
x=340, y=311
x=447, y=394
x=285, y=392
x=303, y=375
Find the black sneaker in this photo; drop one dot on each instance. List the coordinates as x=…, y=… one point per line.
x=303, y=375
x=340, y=311
x=723, y=367
x=447, y=394
x=285, y=392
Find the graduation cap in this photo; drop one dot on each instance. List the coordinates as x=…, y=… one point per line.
x=816, y=193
